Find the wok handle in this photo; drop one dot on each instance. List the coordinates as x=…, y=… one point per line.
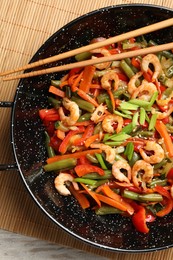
x=6, y=167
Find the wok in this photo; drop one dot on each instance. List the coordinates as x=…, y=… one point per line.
x=114, y=233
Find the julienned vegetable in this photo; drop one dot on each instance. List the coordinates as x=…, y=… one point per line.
x=108, y=131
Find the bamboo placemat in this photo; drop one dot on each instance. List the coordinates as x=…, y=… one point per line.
x=24, y=27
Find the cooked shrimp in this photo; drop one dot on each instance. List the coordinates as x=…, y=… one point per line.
x=105, y=53
x=74, y=112
x=145, y=91
x=151, y=59
x=118, y=174
x=98, y=113
x=142, y=173
x=110, y=152
x=109, y=120
x=132, y=82
x=60, y=183
x=107, y=79
x=161, y=115
x=152, y=147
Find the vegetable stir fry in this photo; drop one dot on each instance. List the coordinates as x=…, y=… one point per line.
x=109, y=133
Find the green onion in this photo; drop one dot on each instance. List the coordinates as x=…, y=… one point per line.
x=127, y=129
x=59, y=125
x=123, y=115
x=135, y=119
x=129, y=150
x=139, y=102
x=113, y=143
x=119, y=137
x=128, y=106
x=152, y=122
x=153, y=99
x=101, y=161
x=91, y=158
x=142, y=116
x=127, y=69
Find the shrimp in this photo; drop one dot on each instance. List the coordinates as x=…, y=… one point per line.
x=152, y=146
x=107, y=78
x=74, y=112
x=142, y=172
x=108, y=122
x=105, y=53
x=118, y=174
x=60, y=183
x=145, y=91
x=98, y=113
x=132, y=82
x=110, y=152
x=163, y=115
x=151, y=59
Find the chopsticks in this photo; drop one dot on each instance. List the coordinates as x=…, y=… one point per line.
x=118, y=38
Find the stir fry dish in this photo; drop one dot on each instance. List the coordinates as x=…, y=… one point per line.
x=109, y=133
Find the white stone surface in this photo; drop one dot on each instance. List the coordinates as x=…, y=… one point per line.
x=17, y=247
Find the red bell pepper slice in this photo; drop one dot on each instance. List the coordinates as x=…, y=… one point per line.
x=139, y=218
x=168, y=201
x=49, y=114
x=170, y=176
x=83, y=169
x=88, y=133
x=64, y=145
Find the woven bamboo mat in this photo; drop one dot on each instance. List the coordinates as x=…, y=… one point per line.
x=24, y=26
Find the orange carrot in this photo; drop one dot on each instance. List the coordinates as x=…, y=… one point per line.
x=73, y=155
x=76, y=82
x=108, y=192
x=87, y=77
x=64, y=83
x=81, y=198
x=161, y=129
x=92, y=194
x=91, y=139
x=86, y=97
x=111, y=202
x=60, y=134
x=56, y=91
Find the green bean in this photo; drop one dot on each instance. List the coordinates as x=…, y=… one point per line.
x=154, y=197
x=83, y=56
x=128, y=61
x=59, y=165
x=50, y=150
x=86, y=181
x=100, y=182
x=135, y=158
x=144, y=133
x=127, y=69
x=160, y=164
x=83, y=104
x=158, y=182
x=98, y=128
x=68, y=92
x=96, y=176
x=55, y=83
x=54, y=102
x=103, y=96
x=91, y=158
x=166, y=54
x=150, y=197
x=84, y=117
x=101, y=161
x=105, y=210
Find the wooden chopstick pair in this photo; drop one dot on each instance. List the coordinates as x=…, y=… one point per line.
x=118, y=38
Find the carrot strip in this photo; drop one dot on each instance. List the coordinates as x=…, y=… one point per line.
x=91, y=139
x=83, y=169
x=111, y=202
x=87, y=77
x=86, y=97
x=161, y=129
x=72, y=155
x=76, y=82
x=92, y=194
x=60, y=134
x=97, y=86
x=64, y=83
x=108, y=192
x=56, y=91
x=80, y=197
x=112, y=98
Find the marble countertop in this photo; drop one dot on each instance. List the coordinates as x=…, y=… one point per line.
x=18, y=247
